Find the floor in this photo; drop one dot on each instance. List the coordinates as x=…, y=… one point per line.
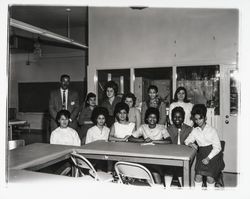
x=34, y=136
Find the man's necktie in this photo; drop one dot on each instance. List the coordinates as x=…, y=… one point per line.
x=64, y=100
x=179, y=137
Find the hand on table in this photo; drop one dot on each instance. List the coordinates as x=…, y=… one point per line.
x=147, y=140
x=194, y=146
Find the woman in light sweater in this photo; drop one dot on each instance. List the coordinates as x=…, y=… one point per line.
x=180, y=99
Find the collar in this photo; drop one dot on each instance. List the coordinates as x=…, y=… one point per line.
x=206, y=126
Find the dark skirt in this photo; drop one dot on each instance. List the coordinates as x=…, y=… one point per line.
x=215, y=165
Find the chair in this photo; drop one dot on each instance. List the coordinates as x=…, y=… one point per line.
x=16, y=143
x=127, y=173
x=82, y=164
x=219, y=182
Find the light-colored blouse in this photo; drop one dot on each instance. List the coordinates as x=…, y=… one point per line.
x=122, y=130
x=157, y=133
x=94, y=133
x=207, y=136
x=65, y=136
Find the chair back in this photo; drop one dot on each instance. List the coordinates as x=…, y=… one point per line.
x=80, y=162
x=133, y=170
x=16, y=143
x=222, y=143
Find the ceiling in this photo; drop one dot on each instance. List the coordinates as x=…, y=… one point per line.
x=50, y=17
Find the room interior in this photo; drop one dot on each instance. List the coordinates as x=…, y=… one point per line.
x=37, y=58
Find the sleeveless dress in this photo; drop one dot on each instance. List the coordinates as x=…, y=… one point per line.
x=122, y=130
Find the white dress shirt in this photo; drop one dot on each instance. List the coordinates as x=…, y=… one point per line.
x=179, y=137
x=94, y=133
x=66, y=97
x=207, y=136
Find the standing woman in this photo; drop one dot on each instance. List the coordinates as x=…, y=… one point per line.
x=180, y=99
x=154, y=101
x=134, y=114
x=110, y=101
x=84, y=119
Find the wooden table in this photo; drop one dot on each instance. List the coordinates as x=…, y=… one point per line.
x=158, y=154
x=12, y=123
x=39, y=155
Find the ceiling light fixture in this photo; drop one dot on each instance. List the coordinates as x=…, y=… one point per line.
x=138, y=7
x=24, y=26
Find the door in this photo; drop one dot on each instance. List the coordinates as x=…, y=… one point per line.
x=230, y=117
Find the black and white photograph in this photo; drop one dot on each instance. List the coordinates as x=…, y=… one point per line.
x=133, y=99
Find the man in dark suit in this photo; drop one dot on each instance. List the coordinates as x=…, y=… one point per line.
x=64, y=98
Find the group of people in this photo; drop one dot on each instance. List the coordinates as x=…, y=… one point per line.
x=117, y=119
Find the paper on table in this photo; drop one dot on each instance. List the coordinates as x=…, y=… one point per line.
x=148, y=143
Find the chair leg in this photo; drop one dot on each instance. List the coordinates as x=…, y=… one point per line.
x=168, y=180
x=219, y=181
x=204, y=181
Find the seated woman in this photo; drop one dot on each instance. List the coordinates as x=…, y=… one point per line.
x=209, y=157
x=99, y=131
x=122, y=129
x=63, y=134
x=152, y=132
x=178, y=131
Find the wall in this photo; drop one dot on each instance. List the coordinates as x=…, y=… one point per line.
x=160, y=37
x=47, y=68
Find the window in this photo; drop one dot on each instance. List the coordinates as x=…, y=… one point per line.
x=121, y=77
x=160, y=77
x=202, y=84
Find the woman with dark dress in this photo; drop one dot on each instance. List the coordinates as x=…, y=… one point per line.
x=209, y=159
x=84, y=119
x=110, y=101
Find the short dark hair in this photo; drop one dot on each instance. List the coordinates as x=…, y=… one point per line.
x=178, y=109
x=150, y=111
x=153, y=87
x=181, y=88
x=111, y=84
x=121, y=106
x=199, y=109
x=64, y=76
x=129, y=95
x=89, y=95
x=65, y=113
x=98, y=111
